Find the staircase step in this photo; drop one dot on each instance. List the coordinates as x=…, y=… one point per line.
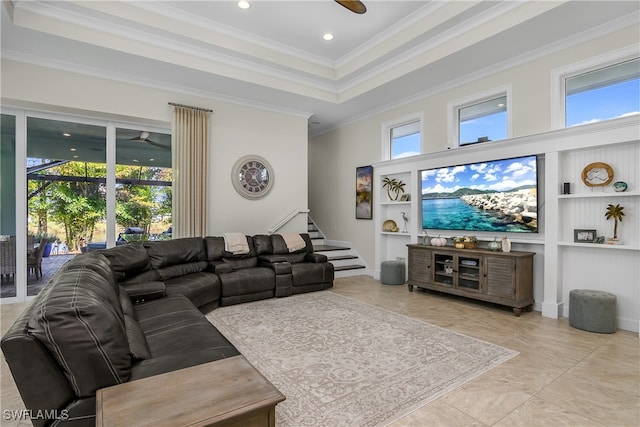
x=320, y=248
x=348, y=267
x=341, y=257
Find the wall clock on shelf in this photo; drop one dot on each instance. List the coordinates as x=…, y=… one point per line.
x=252, y=177
x=597, y=174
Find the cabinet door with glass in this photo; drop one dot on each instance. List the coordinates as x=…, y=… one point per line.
x=457, y=271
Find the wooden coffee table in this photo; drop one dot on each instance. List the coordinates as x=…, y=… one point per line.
x=227, y=392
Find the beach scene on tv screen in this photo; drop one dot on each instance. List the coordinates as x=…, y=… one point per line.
x=499, y=195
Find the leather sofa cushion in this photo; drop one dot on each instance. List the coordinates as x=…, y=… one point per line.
x=247, y=281
x=280, y=247
x=201, y=288
x=173, y=326
x=215, y=252
x=241, y=263
x=215, y=248
x=308, y=273
x=146, y=291
x=173, y=362
x=127, y=261
x=80, y=323
x=178, y=251
x=93, y=261
x=178, y=270
x=262, y=244
x=138, y=348
x=125, y=302
x=147, y=276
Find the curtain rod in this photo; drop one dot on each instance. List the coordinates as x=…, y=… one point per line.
x=189, y=106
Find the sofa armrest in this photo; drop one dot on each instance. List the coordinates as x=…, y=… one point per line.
x=277, y=263
x=315, y=257
x=141, y=292
x=221, y=268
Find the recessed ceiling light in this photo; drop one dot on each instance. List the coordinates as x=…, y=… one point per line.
x=67, y=134
x=135, y=160
x=76, y=156
x=243, y=4
x=152, y=160
x=72, y=149
x=500, y=105
x=327, y=36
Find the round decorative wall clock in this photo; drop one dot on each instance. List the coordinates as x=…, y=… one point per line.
x=252, y=177
x=597, y=174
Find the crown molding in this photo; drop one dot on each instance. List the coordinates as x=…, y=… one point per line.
x=579, y=38
x=149, y=83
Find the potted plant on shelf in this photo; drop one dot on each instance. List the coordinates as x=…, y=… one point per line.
x=458, y=242
x=470, y=242
x=616, y=213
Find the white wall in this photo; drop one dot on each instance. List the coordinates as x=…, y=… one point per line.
x=334, y=156
x=236, y=131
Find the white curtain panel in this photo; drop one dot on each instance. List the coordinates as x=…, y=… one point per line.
x=190, y=136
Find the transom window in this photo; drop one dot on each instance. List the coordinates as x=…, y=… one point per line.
x=480, y=117
x=483, y=121
x=603, y=94
x=405, y=140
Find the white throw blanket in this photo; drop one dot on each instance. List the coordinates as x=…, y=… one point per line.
x=236, y=243
x=294, y=242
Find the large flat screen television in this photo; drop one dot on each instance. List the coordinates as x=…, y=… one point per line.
x=494, y=196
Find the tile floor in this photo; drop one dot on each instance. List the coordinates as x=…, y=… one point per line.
x=562, y=377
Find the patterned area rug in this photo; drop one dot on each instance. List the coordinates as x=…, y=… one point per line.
x=341, y=362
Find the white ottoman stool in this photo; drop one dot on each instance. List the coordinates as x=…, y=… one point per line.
x=392, y=273
x=593, y=311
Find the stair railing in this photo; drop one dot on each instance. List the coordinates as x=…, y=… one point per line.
x=286, y=219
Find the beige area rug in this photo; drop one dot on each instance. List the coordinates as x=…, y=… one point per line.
x=341, y=362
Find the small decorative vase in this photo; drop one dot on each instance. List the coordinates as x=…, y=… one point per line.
x=620, y=186
x=495, y=245
x=506, y=244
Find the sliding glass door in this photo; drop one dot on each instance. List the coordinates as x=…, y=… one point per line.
x=78, y=185
x=66, y=193
x=143, y=185
x=8, y=262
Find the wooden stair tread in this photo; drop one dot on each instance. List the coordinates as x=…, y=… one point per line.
x=320, y=248
x=341, y=257
x=348, y=267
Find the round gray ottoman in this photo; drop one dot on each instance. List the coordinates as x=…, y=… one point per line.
x=392, y=273
x=593, y=311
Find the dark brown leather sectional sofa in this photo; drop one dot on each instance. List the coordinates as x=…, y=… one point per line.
x=134, y=311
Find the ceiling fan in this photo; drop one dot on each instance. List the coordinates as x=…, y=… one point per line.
x=144, y=137
x=353, y=6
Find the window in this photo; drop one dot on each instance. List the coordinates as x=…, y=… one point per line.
x=405, y=140
x=603, y=94
x=402, y=138
x=78, y=185
x=480, y=117
x=483, y=121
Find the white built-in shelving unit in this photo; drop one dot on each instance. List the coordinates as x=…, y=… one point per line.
x=560, y=264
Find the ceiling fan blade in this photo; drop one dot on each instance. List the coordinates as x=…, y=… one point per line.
x=353, y=5
x=156, y=144
x=144, y=137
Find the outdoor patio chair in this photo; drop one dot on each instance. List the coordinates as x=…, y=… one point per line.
x=7, y=258
x=34, y=261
